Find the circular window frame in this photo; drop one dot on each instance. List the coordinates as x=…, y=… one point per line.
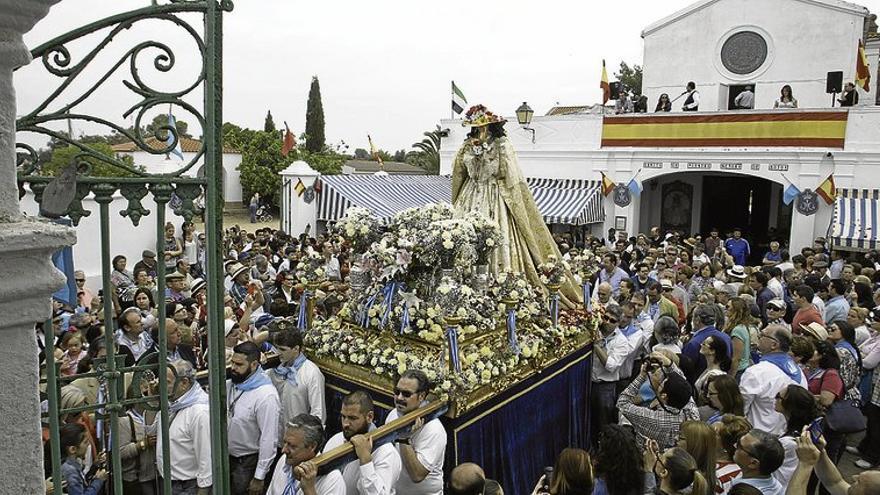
x=768, y=61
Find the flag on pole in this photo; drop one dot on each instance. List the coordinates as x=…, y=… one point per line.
x=375, y=153
x=606, y=88
x=827, y=190
x=289, y=141
x=177, y=151
x=299, y=187
x=863, y=69
x=607, y=185
x=634, y=187
x=790, y=194
x=458, y=99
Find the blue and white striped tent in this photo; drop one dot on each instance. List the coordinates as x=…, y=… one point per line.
x=856, y=215
x=565, y=201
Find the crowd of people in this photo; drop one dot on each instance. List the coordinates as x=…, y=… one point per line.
x=718, y=370
x=718, y=367
x=744, y=100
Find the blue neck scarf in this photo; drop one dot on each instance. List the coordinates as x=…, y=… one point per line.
x=195, y=395
x=257, y=379
x=785, y=363
x=289, y=372
x=843, y=344
x=628, y=331
x=292, y=485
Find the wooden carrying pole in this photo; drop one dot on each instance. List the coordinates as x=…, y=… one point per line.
x=334, y=456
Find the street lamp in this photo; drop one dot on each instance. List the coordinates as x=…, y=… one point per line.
x=524, y=117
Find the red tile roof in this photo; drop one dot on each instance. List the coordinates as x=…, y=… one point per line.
x=188, y=145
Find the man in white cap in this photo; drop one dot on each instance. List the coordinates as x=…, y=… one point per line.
x=736, y=277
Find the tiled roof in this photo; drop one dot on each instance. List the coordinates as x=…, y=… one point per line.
x=188, y=145
x=370, y=166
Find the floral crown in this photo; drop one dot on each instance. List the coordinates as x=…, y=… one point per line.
x=479, y=115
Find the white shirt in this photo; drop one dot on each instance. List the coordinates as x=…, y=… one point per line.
x=746, y=99
x=775, y=287
x=759, y=385
x=429, y=444
x=636, y=343
x=377, y=477
x=618, y=348
x=331, y=268
x=790, y=462
x=189, y=434
x=307, y=396
x=819, y=304
x=253, y=423
x=329, y=484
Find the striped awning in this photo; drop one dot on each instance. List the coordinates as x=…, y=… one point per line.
x=856, y=214
x=568, y=201
x=564, y=201
x=382, y=195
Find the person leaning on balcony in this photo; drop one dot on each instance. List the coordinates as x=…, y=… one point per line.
x=692, y=102
x=786, y=99
x=663, y=104
x=850, y=97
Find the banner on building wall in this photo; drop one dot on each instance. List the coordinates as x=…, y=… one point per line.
x=825, y=129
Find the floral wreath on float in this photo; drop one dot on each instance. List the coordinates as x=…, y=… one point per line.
x=479, y=115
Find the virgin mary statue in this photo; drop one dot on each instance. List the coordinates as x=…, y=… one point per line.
x=486, y=179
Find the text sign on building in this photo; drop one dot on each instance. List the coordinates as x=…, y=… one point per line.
x=735, y=166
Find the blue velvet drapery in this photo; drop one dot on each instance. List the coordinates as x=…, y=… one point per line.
x=512, y=436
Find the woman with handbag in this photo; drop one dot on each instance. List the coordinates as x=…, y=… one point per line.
x=827, y=387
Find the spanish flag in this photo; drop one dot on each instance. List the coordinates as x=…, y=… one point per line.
x=606, y=88
x=299, y=187
x=827, y=190
x=607, y=185
x=863, y=69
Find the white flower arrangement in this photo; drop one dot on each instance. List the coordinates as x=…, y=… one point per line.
x=487, y=235
x=310, y=268
x=359, y=227
x=553, y=271
x=584, y=266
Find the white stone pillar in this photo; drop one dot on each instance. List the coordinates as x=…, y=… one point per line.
x=27, y=274
x=295, y=212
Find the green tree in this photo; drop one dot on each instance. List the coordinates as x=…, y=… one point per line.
x=154, y=128
x=261, y=163
x=429, y=150
x=399, y=155
x=315, y=119
x=361, y=154
x=630, y=78
x=269, y=124
x=62, y=156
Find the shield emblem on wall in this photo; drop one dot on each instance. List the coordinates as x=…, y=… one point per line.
x=622, y=196
x=807, y=202
x=309, y=194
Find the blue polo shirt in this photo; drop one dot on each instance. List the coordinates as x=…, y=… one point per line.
x=739, y=249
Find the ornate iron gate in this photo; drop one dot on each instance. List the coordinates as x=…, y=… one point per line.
x=67, y=191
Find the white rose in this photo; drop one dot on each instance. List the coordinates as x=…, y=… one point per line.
x=448, y=245
x=349, y=230
x=490, y=242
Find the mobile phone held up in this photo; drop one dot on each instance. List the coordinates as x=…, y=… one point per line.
x=816, y=430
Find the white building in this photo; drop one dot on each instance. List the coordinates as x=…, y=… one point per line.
x=167, y=163
x=720, y=168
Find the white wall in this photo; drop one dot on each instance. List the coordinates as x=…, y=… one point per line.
x=158, y=164
x=570, y=147
x=125, y=238
x=805, y=41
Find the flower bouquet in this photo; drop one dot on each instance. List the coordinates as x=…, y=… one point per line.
x=358, y=227
x=487, y=235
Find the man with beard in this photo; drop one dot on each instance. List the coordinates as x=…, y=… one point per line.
x=295, y=473
x=374, y=472
x=423, y=448
x=252, y=421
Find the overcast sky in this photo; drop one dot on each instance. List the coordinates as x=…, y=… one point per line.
x=385, y=66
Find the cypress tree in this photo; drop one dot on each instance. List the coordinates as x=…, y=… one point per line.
x=269, y=125
x=315, y=119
